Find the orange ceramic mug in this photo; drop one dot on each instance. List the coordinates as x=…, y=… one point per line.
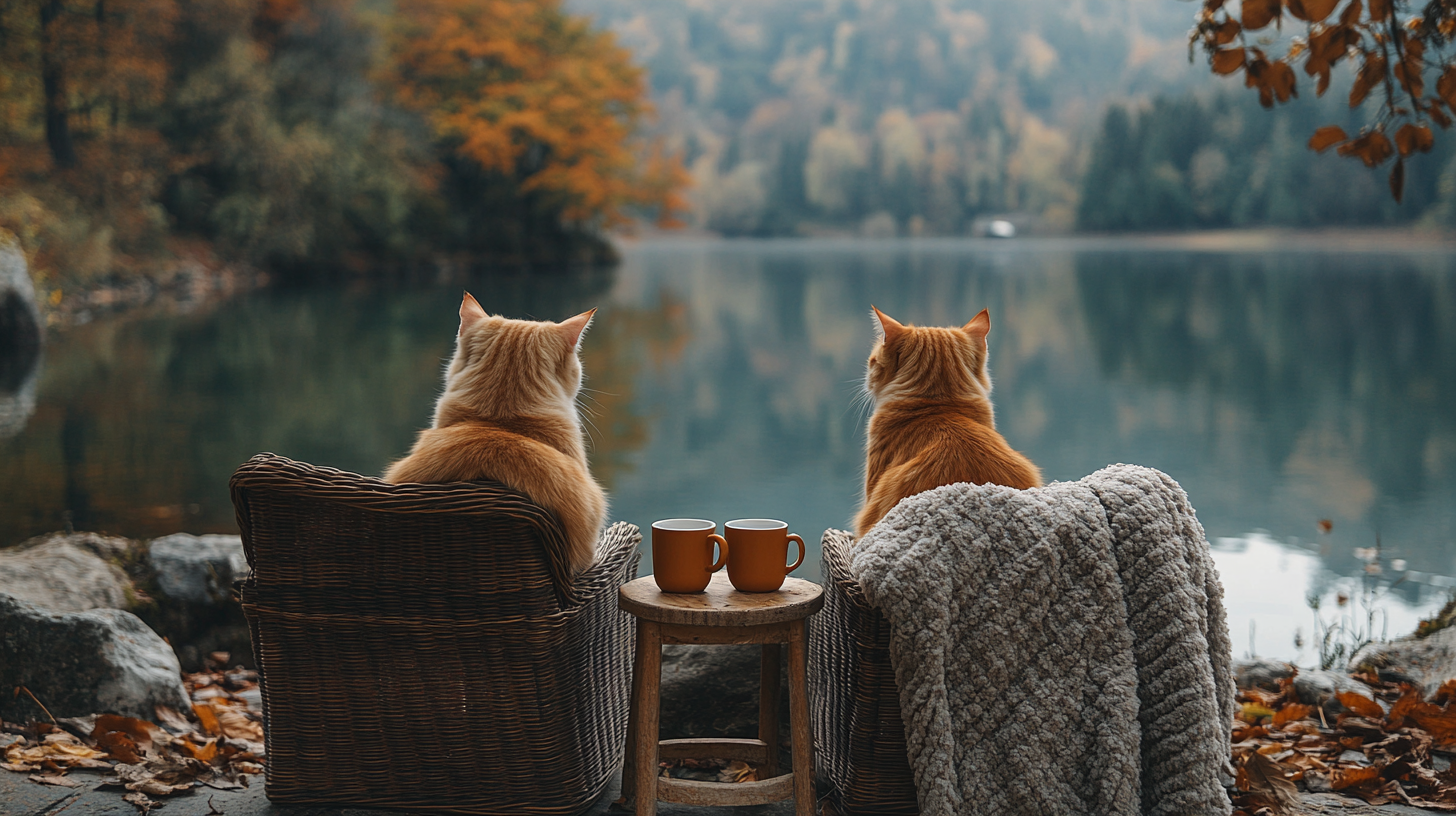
x=757, y=550
x=682, y=554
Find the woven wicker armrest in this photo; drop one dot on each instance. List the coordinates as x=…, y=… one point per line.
x=860, y=739
x=616, y=564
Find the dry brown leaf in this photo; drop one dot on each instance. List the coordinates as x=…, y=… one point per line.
x=1445, y=694
x=140, y=801
x=155, y=787
x=1349, y=777
x=60, y=748
x=1258, y=13
x=1414, y=139
x=1291, y=713
x=1312, y=11
x=1264, y=777
x=234, y=722
x=1228, y=60
x=203, y=753
x=1361, y=705
x=1372, y=149
x=1226, y=32
x=55, y=780
x=1281, y=80
x=1379, y=10
x=120, y=746
x=141, y=732
x=207, y=718
x=1409, y=77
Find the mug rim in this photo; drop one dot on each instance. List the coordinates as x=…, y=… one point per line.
x=756, y=524
x=684, y=525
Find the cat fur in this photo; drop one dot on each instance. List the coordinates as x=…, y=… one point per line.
x=508, y=414
x=933, y=423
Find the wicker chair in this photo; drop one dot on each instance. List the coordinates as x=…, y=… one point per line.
x=424, y=646
x=859, y=737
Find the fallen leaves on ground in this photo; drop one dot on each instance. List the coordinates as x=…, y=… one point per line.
x=709, y=770
x=1379, y=748
x=217, y=744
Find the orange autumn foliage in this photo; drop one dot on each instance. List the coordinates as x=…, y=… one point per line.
x=539, y=96
x=1390, y=44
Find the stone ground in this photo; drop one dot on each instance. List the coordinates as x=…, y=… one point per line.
x=21, y=797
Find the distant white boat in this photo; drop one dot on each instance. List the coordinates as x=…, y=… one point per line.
x=1001, y=229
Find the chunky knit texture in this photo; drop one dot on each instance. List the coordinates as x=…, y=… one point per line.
x=1060, y=650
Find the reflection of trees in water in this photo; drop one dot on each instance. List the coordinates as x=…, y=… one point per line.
x=620, y=340
x=141, y=422
x=1348, y=361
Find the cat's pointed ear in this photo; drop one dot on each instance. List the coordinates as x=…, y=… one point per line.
x=890, y=328
x=979, y=327
x=470, y=313
x=573, y=328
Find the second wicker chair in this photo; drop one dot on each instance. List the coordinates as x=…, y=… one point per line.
x=425, y=646
x=859, y=738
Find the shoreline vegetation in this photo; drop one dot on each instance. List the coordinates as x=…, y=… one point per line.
x=197, y=276
x=154, y=145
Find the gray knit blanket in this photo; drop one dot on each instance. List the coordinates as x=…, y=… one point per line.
x=1061, y=650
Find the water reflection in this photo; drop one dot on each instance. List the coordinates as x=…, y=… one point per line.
x=1279, y=389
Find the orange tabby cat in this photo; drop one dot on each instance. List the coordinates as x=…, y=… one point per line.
x=509, y=414
x=933, y=424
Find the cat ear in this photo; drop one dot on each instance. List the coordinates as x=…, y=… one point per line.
x=889, y=327
x=470, y=313
x=574, y=327
x=979, y=327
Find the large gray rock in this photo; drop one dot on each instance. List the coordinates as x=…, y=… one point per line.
x=197, y=569
x=20, y=339
x=1261, y=673
x=63, y=575
x=79, y=663
x=1428, y=661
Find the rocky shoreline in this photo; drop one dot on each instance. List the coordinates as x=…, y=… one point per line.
x=81, y=615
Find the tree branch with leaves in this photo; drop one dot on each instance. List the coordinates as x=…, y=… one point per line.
x=1391, y=46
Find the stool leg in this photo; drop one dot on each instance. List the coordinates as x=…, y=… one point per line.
x=649, y=640
x=768, y=707
x=629, y=754
x=803, y=737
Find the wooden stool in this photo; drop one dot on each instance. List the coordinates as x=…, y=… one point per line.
x=721, y=614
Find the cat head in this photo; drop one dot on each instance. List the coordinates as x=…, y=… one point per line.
x=504, y=367
x=928, y=362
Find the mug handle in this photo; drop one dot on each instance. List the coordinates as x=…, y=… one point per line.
x=722, y=551
x=795, y=537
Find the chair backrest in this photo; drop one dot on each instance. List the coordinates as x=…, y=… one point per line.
x=323, y=541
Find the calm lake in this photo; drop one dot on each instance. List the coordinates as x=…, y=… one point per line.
x=1280, y=389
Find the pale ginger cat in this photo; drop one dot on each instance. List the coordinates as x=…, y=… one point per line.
x=509, y=414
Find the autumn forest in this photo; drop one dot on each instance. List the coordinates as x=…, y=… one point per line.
x=309, y=137
x=327, y=134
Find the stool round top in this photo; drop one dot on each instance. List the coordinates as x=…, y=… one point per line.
x=720, y=604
